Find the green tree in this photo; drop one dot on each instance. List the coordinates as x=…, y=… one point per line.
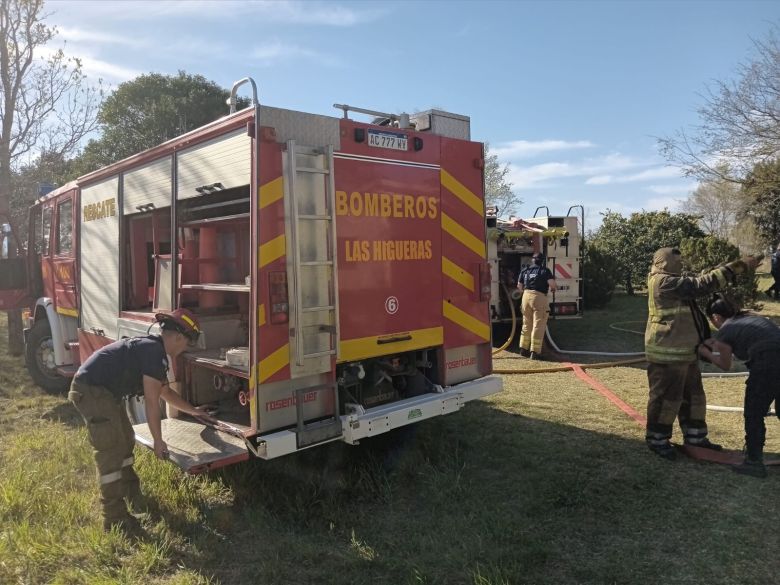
x=149, y=110
x=762, y=190
x=703, y=254
x=632, y=241
x=498, y=189
x=601, y=275
x=45, y=105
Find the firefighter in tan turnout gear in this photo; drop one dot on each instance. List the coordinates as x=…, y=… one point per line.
x=534, y=283
x=125, y=368
x=671, y=340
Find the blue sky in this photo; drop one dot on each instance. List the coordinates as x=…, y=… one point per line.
x=571, y=94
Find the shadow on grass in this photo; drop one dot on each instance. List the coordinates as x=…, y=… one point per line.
x=486, y=492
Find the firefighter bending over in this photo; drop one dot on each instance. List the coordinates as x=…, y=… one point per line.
x=534, y=283
x=125, y=368
x=671, y=338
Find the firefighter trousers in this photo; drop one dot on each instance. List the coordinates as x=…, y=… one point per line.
x=112, y=438
x=676, y=392
x=535, y=312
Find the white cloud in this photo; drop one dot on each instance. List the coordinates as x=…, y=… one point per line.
x=277, y=51
x=86, y=36
x=646, y=175
x=282, y=12
x=532, y=176
x=682, y=189
x=95, y=68
x=659, y=203
x=527, y=148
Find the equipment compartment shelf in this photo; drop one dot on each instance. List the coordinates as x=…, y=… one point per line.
x=210, y=359
x=221, y=286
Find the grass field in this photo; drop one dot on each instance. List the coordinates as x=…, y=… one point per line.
x=545, y=483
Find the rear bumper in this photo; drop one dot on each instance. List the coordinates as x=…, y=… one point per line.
x=370, y=422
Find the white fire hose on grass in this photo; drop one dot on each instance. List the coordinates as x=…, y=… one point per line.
x=636, y=354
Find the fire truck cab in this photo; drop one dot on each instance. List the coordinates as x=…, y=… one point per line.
x=338, y=269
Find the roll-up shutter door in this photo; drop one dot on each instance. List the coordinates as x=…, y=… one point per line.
x=224, y=160
x=150, y=183
x=100, y=257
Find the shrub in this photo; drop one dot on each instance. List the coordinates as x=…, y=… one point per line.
x=600, y=275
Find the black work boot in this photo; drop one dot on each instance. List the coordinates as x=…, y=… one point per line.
x=752, y=467
x=535, y=356
x=665, y=450
x=525, y=352
x=705, y=443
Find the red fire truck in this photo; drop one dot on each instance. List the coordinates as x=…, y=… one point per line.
x=338, y=269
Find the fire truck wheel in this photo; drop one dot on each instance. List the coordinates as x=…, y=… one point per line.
x=39, y=357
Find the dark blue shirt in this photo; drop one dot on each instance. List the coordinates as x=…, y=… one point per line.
x=121, y=366
x=743, y=332
x=535, y=278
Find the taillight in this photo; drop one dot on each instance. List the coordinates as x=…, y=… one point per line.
x=565, y=309
x=277, y=294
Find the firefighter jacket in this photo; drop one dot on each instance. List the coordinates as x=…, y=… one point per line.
x=671, y=335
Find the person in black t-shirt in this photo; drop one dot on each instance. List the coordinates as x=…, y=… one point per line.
x=534, y=283
x=127, y=367
x=755, y=339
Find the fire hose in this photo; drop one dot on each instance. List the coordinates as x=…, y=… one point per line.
x=574, y=367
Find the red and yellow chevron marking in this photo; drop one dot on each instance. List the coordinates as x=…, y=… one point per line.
x=464, y=251
x=463, y=319
x=456, y=273
x=273, y=352
x=463, y=193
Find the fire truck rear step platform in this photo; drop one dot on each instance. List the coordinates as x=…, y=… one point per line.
x=194, y=447
x=197, y=448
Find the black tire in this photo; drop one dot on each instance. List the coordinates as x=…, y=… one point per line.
x=39, y=358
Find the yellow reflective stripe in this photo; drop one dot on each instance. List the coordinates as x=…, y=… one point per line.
x=720, y=274
x=465, y=320
x=462, y=192
x=271, y=192
x=461, y=234
x=67, y=312
x=668, y=350
x=457, y=273
x=190, y=322
x=261, y=315
x=272, y=250
x=274, y=362
x=366, y=347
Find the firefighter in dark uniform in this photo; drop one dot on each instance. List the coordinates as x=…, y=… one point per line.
x=124, y=368
x=671, y=338
x=534, y=283
x=755, y=339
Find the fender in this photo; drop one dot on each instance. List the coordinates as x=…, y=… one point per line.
x=44, y=309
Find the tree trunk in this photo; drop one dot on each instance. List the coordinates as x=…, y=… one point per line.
x=629, y=286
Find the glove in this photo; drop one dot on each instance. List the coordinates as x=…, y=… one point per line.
x=744, y=264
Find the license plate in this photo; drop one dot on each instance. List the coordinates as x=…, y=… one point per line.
x=384, y=139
